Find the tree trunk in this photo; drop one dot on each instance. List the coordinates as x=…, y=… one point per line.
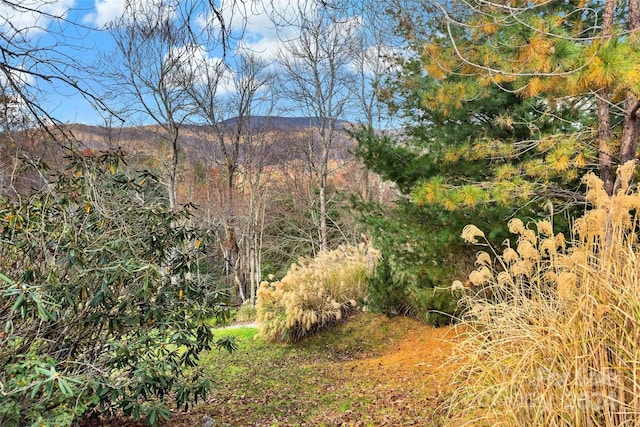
x=605, y=159
x=327, y=137
x=631, y=126
x=234, y=261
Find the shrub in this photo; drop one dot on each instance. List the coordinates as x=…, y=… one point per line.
x=246, y=313
x=554, y=338
x=423, y=255
x=103, y=306
x=395, y=293
x=316, y=292
x=388, y=293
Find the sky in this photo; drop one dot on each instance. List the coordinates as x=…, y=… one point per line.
x=81, y=36
x=78, y=34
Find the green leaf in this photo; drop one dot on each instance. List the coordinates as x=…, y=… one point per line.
x=6, y=279
x=152, y=420
x=19, y=302
x=228, y=343
x=42, y=311
x=64, y=387
x=35, y=390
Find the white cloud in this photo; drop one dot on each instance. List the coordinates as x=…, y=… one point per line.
x=18, y=77
x=377, y=60
x=31, y=17
x=106, y=11
x=274, y=23
x=191, y=65
x=260, y=25
x=13, y=111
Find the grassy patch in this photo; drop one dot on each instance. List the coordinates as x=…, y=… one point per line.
x=336, y=377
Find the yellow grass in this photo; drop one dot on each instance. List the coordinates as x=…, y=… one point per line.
x=553, y=338
x=315, y=292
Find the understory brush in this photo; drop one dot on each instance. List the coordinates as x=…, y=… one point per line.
x=395, y=292
x=314, y=293
x=553, y=339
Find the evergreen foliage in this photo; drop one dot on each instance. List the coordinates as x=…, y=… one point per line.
x=103, y=304
x=443, y=192
x=575, y=62
x=471, y=147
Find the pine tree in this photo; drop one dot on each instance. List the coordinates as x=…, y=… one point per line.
x=475, y=148
x=558, y=56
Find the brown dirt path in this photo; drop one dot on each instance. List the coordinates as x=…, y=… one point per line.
x=412, y=373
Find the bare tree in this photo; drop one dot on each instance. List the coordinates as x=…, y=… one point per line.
x=257, y=179
x=41, y=52
x=318, y=79
x=372, y=61
x=31, y=66
x=150, y=41
x=225, y=97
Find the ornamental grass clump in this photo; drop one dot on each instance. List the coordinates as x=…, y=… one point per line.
x=315, y=293
x=553, y=337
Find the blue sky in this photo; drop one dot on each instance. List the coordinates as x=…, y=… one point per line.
x=81, y=37
x=76, y=36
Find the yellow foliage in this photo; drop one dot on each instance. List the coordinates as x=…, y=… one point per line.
x=559, y=159
x=432, y=191
x=450, y=204
x=502, y=78
x=432, y=50
x=487, y=28
x=452, y=155
x=470, y=196
x=536, y=168
x=580, y=160
x=437, y=70
x=597, y=75
x=506, y=171
x=533, y=88
x=545, y=144
x=536, y=55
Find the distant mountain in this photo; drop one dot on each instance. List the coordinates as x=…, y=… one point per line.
x=284, y=138
x=276, y=142
x=282, y=123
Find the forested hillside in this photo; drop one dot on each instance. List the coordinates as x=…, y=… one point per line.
x=273, y=206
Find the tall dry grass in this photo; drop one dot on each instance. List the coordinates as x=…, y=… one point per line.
x=314, y=293
x=554, y=337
